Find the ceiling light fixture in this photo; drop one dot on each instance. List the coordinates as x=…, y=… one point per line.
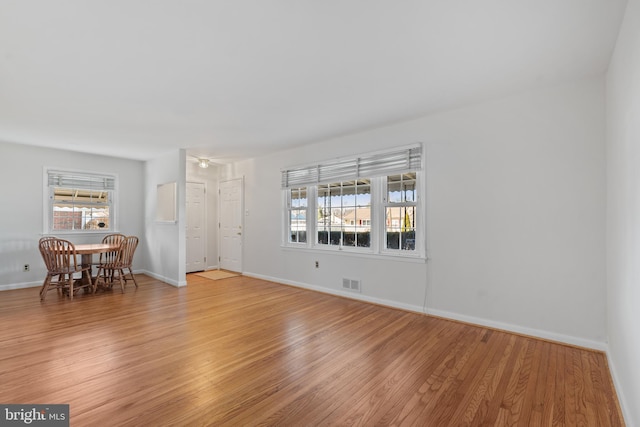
x=203, y=163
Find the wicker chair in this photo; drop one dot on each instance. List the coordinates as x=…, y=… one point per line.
x=60, y=258
x=116, y=263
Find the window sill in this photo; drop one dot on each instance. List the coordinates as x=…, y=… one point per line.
x=78, y=232
x=417, y=258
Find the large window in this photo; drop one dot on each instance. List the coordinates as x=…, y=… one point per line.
x=79, y=202
x=369, y=204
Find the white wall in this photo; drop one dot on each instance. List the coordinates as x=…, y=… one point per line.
x=165, y=242
x=515, y=217
x=209, y=177
x=623, y=213
x=517, y=212
x=21, y=209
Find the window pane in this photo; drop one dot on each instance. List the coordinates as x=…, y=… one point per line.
x=80, y=209
x=298, y=197
x=298, y=215
x=400, y=228
x=298, y=225
x=401, y=188
x=75, y=196
x=335, y=195
x=363, y=196
x=344, y=213
x=323, y=215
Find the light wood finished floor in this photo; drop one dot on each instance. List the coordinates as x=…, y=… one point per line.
x=243, y=351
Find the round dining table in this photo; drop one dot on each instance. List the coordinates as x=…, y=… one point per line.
x=87, y=250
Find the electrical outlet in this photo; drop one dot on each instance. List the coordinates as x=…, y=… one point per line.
x=317, y=264
x=26, y=267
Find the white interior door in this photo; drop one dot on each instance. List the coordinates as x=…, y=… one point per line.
x=231, y=199
x=196, y=235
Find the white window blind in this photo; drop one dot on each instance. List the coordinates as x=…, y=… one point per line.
x=83, y=181
x=369, y=165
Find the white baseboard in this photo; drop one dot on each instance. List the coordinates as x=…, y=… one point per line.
x=39, y=283
x=551, y=336
x=618, y=387
x=352, y=295
x=164, y=279
x=537, y=333
x=20, y=285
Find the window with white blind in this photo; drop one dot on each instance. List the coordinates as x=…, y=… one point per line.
x=79, y=202
x=368, y=204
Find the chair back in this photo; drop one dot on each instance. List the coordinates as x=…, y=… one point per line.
x=111, y=239
x=59, y=255
x=115, y=238
x=127, y=249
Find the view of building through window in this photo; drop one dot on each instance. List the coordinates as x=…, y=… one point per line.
x=75, y=209
x=400, y=217
x=298, y=215
x=344, y=213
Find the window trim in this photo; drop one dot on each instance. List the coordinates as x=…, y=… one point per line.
x=379, y=204
x=47, y=205
x=314, y=218
x=419, y=220
x=287, y=219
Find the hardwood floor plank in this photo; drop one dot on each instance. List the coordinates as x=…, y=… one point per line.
x=559, y=391
x=492, y=380
x=473, y=381
x=435, y=369
x=244, y=351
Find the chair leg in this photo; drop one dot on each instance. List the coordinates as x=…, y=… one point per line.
x=59, y=289
x=96, y=280
x=45, y=287
x=132, y=277
x=120, y=274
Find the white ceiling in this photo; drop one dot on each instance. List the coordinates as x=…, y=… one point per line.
x=224, y=79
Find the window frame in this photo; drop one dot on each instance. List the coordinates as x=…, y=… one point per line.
x=287, y=217
x=379, y=204
x=418, y=219
x=48, y=201
x=341, y=185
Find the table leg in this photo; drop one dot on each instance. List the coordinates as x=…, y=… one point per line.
x=86, y=274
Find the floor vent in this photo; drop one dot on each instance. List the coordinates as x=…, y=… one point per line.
x=351, y=284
